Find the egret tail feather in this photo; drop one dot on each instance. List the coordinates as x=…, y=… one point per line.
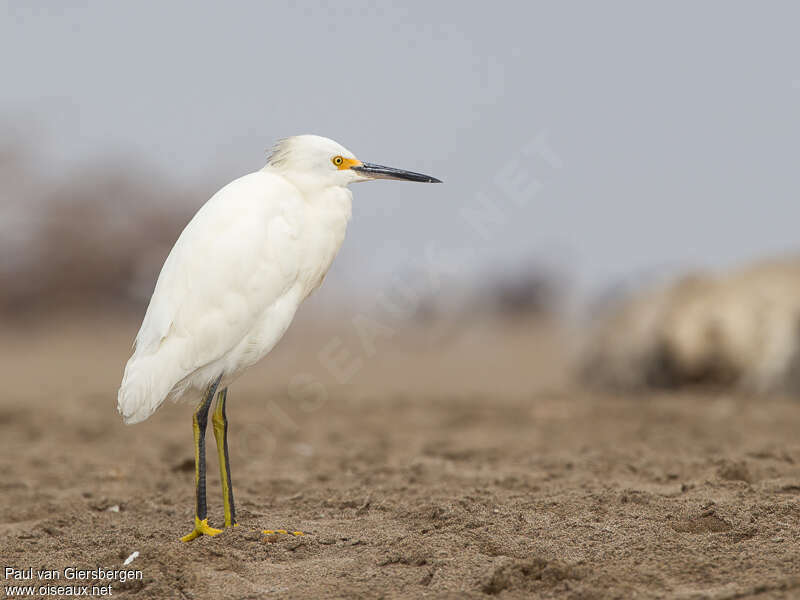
x=148, y=381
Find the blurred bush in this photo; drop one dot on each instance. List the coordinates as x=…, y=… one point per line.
x=738, y=329
x=93, y=238
x=526, y=290
x=532, y=290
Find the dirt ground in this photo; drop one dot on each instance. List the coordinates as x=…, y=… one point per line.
x=469, y=468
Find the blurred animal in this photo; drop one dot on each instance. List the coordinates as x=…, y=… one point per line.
x=738, y=329
x=232, y=283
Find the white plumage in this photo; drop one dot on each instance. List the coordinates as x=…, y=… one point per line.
x=231, y=285
x=234, y=279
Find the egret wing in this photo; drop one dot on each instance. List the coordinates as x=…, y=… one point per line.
x=234, y=260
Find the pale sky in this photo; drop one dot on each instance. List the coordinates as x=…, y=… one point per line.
x=671, y=130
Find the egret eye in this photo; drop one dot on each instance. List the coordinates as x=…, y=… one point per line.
x=338, y=160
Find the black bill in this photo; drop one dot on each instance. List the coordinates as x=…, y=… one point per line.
x=380, y=172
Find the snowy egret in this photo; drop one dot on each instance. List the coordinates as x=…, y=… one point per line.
x=232, y=283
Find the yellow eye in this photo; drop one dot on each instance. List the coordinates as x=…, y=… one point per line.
x=338, y=160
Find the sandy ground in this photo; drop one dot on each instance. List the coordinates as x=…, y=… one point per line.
x=462, y=468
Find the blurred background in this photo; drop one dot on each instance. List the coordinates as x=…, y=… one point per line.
x=569, y=371
x=614, y=175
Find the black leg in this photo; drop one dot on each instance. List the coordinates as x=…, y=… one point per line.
x=199, y=423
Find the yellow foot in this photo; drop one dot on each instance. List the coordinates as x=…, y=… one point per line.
x=200, y=528
x=281, y=532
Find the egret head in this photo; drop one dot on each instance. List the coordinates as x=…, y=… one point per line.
x=312, y=160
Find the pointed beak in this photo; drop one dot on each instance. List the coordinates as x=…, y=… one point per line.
x=373, y=171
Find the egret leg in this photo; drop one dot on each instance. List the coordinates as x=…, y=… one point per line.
x=199, y=422
x=220, y=421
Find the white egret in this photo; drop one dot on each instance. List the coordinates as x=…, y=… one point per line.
x=232, y=283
